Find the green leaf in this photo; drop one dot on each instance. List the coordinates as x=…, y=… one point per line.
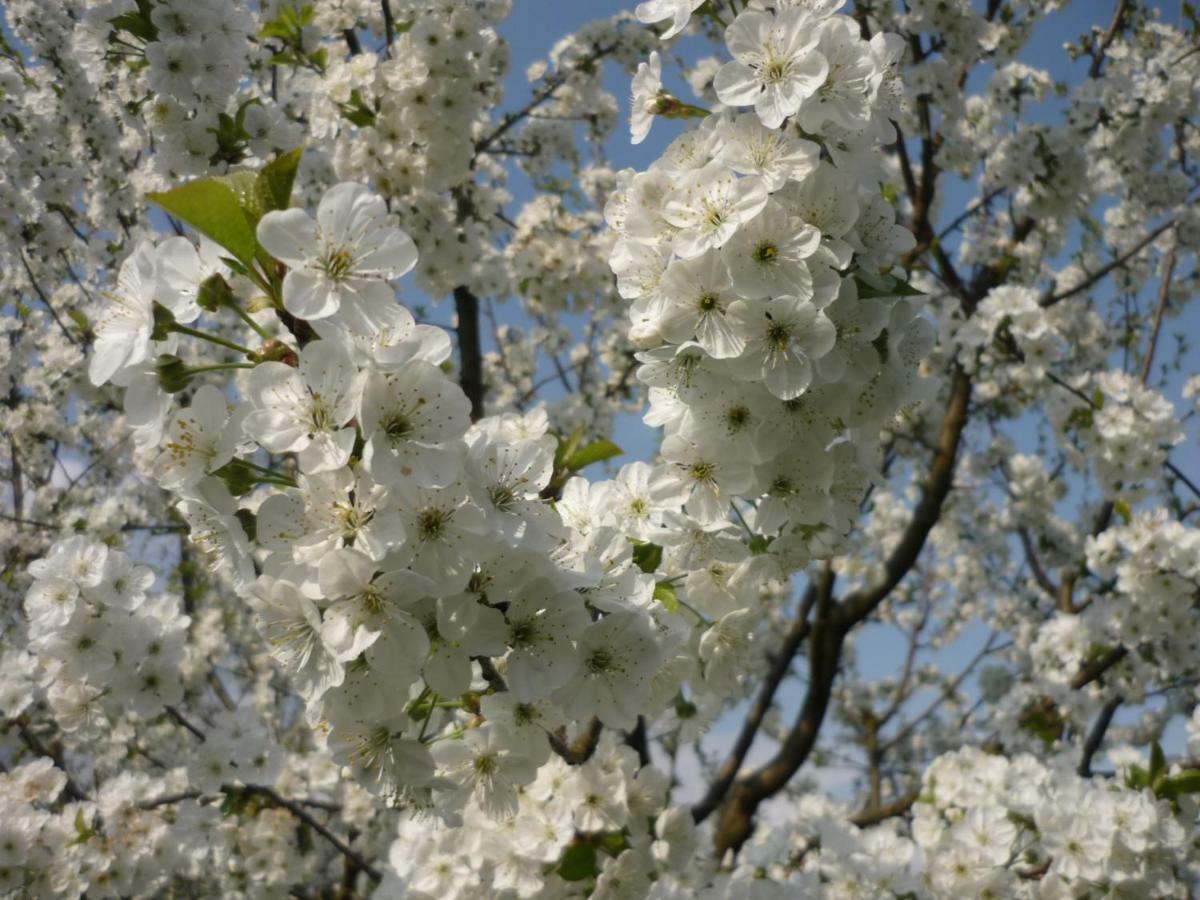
x=579, y=862
x=212, y=208
x=614, y=843
x=1122, y=509
x=664, y=593
x=1177, y=785
x=275, y=181
x=647, y=556
x=1158, y=764
x=894, y=287
x=249, y=522
x=138, y=23
x=214, y=293
x=1137, y=778
x=566, y=446
x=595, y=452
x=80, y=320
x=243, y=184
x=239, y=478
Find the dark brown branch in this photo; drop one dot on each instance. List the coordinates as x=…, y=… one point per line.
x=1114, y=27
x=547, y=90
x=779, y=667
x=1096, y=736
x=37, y=289
x=1164, y=290
x=1035, y=564
x=833, y=621
x=470, y=352
x=859, y=604
x=182, y=721
x=825, y=645
x=389, y=25
x=897, y=807
x=1175, y=470
x=1094, y=670
x=307, y=818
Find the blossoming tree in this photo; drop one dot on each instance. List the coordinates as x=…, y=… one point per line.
x=325, y=575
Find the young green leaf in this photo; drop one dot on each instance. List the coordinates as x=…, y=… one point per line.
x=274, y=185
x=647, y=556
x=595, y=452
x=212, y=208
x=664, y=593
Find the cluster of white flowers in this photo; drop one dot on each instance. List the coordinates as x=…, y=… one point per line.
x=403, y=542
x=990, y=826
x=427, y=609
x=195, y=54
x=773, y=344
x=105, y=643
x=1124, y=430
x=1155, y=564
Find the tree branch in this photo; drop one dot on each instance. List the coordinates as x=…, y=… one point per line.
x=1096, y=736
x=1049, y=298
x=860, y=604
x=1164, y=290
x=778, y=670
x=825, y=644
x=470, y=352
x=897, y=807
x=1096, y=668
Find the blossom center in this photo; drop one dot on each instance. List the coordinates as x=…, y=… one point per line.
x=397, y=427
x=600, y=660
x=431, y=524
x=338, y=263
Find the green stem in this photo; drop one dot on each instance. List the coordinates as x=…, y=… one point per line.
x=208, y=336
x=278, y=481
x=737, y=512
x=276, y=476
x=219, y=367
x=695, y=612
x=428, y=718
x=245, y=317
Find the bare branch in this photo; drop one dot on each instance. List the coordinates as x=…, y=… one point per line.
x=778, y=670
x=1049, y=298
x=1164, y=290
x=1096, y=736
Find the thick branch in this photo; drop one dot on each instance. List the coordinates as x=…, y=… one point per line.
x=1096, y=668
x=897, y=807
x=780, y=665
x=470, y=352
x=1096, y=736
x=825, y=645
x=859, y=604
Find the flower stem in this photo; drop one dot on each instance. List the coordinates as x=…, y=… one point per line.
x=208, y=336
x=219, y=367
